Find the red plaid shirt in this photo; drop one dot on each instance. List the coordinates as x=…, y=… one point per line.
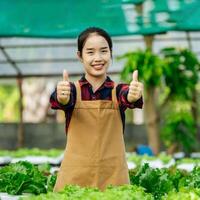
x=103, y=93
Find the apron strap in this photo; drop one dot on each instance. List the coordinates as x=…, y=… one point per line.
x=114, y=96
x=78, y=91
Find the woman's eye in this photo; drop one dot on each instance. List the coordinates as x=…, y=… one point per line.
x=89, y=52
x=104, y=51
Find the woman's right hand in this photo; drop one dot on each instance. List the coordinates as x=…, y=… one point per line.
x=63, y=89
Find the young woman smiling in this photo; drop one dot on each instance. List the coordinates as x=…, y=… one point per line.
x=95, y=108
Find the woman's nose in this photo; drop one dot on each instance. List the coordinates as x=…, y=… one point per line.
x=98, y=57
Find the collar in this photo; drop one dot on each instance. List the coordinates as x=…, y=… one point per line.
x=108, y=83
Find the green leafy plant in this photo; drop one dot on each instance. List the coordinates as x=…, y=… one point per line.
x=149, y=67
x=180, y=72
x=170, y=78
x=180, y=75
x=179, y=127
x=73, y=192
x=192, y=180
x=22, y=177
x=155, y=181
x=22, y=152
x=163, y=182
x=185, y=194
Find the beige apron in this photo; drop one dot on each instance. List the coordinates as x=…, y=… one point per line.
x=95, y=151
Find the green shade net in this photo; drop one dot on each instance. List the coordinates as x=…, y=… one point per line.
x=66, y=18
x=182, y=15
x=187, y=18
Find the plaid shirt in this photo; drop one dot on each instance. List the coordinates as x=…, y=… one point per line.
x=103, y=93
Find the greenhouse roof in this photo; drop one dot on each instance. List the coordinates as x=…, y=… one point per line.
x=60, y=23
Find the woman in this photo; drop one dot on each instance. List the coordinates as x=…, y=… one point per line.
x=94, y=108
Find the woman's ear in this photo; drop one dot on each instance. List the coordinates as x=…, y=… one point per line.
x=79, y=56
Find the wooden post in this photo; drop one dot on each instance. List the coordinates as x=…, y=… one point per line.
x=20, y=134
x=148, y=39
x=189, y=40
x=150, y=110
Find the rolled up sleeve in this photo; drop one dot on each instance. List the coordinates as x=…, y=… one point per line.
x=122, y=90
x=58, y=106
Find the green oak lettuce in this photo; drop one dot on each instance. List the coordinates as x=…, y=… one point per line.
x=23, y=177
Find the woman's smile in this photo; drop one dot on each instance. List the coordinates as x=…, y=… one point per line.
x=98, y=66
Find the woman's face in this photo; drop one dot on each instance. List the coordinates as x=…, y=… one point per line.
x=96, y=56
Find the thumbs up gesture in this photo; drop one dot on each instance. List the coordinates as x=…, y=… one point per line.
x=135, y=88
x=63, y=89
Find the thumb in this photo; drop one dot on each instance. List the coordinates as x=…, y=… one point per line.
x=65, y=75
x=135, y=75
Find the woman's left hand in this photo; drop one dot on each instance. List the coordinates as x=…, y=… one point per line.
x=135, y=88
